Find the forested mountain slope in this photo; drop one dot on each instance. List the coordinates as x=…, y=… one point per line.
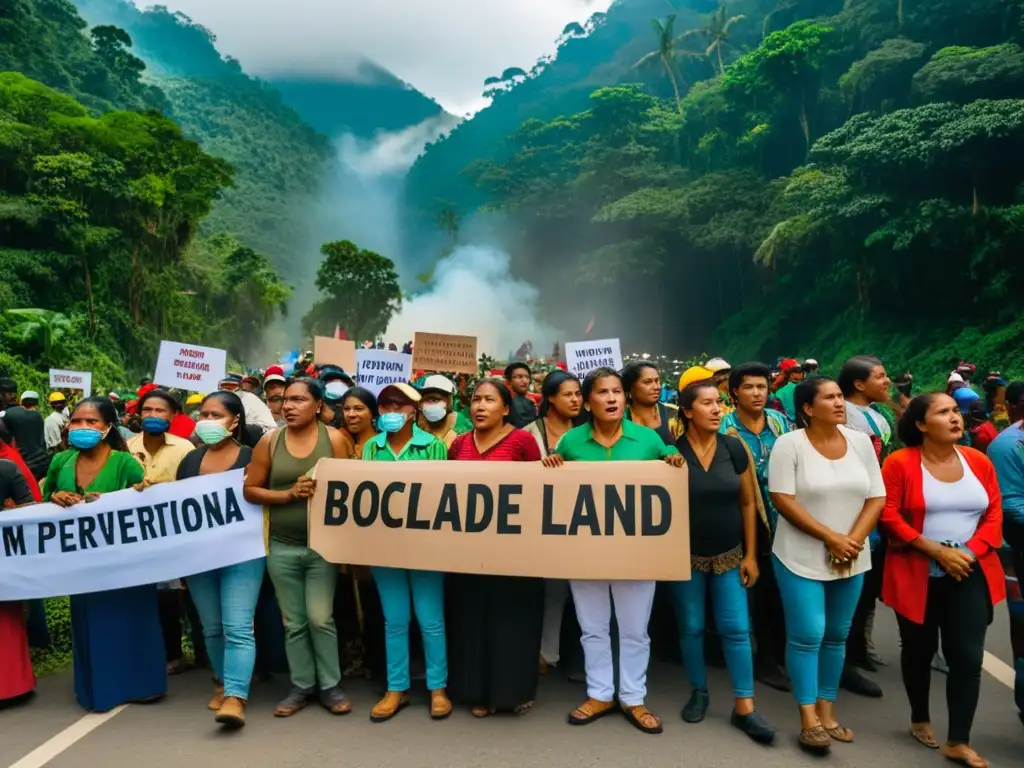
x=849, y=182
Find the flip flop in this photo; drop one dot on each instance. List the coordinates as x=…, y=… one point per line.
x=972, y=759
x=925, y=736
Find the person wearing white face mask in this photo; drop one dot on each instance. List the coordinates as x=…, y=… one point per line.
x=436, y=414
x=336, y=383
x=225, y=598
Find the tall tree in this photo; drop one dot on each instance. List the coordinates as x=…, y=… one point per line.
x=665, y=53
x=717, y=33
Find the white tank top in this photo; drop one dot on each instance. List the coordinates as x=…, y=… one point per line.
x=952, y=510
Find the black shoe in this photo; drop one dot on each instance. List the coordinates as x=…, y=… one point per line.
x=755, y=726
x=854, y=682
x=772, y=675
x=866, y=664
x=696, y=707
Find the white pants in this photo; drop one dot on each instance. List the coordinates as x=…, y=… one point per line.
x=633, y=601
x=556, y=592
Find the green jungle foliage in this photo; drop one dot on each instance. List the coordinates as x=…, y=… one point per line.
x=842, y=178
x=100, y=209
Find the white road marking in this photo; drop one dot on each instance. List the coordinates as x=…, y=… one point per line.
x=999, y=669
x=64, y=740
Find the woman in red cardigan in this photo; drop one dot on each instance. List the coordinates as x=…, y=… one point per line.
x=943, y=516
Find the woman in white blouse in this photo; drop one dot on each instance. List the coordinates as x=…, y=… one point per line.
x=826, y=483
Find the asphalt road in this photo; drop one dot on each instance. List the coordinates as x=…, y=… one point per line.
x=179, y=731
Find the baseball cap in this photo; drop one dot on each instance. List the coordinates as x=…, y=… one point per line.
x=810, y=364
x=407, y=391
x=438, y=383
x=274, y=373
x=194, y=399
x=789, y=364
x=717, y=365
x=28, y=394
x=56, y=397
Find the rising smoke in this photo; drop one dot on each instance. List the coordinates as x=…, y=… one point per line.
x=472, y=292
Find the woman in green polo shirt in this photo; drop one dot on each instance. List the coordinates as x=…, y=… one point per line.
x=608, y=436
x=401, y=440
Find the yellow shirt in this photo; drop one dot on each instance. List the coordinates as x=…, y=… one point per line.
x=162, y=466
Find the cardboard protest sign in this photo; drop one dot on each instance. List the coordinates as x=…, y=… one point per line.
x=128, y=538
x=376, y=368
x=581, y=357
x=339, y=352
x=74, y=380
x=583, y=520
x=189, y=366
x=444, y=352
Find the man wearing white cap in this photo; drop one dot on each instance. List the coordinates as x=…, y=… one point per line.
x=721, y=369
x=25, y=424
x=436, y=414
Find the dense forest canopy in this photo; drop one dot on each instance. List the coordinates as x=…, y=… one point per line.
x=835, y=177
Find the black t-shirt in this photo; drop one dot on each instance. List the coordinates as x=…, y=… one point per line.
x=189, y=466
x=26, y=427
x=13, y=485
x=716, y=524
x=522, y=412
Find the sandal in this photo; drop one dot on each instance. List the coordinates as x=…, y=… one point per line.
x=524, y=707
x=481, y=711
x=642, y=718
x=816, y=739
x=968, y=757
x=923, y=734
x=839, y=733
x=589, y=711
x=440, y=704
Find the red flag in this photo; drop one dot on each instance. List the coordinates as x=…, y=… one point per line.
x=590, y=326
x=339, y=332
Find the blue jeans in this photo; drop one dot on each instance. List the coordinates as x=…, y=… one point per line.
x=818, y=617
x=426, y=589
x=729, y=603
x=226, y=602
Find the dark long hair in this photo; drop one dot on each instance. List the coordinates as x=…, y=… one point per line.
x=160, y=394
x=503, y=391
x=631, y=375
x=549, y=388
x=906, y=428
x=689, y=396
x=364, y=396
x=108, y=413
x=804, y=394
x=856, y=369
x=232, y=404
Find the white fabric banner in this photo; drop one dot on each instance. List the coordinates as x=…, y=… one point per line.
x=581, y=357
x=190, y=367
x=128, y=538
x=376, y=368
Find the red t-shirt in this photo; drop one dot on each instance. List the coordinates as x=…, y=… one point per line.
x=182, y=426
x=517, y=445
x=984, y=434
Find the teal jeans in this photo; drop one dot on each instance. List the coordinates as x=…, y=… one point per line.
x=425, y=590
x=304, y=583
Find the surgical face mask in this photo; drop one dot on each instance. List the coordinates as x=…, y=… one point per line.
x=211, y=432
x=435, y=412
x=85, y=438
x=155, y=425
x=336, y=389
x=391, y=422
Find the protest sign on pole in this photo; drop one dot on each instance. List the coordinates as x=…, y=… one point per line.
x=74, y=380
x=339, y=352
x=581, y=357
x=376, y=368
x=583, y=520
x=128, y=538
x=444, y=352
x=189, y=366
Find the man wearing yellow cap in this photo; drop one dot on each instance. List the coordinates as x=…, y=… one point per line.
x=53, y=425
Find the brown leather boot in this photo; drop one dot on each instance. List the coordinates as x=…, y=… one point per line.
x=218, y=699
x=232, y=714
x=440, y=704
x=389, y=706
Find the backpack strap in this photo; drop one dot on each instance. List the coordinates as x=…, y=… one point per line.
x=737, y=453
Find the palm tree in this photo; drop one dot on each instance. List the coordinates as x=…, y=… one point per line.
x=665, y=53
x=717, y=32
x=42, y=328
x=448, y=220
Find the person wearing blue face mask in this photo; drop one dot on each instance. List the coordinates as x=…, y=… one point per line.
x=401, y=440
x=116, y=638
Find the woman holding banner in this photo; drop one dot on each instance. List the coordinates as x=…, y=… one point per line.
x=279, y=479
x=401, y=440
x=723, y=556
x=16, y=677
x=117, y=644
x=609, y=436
x=560, y=404
x=496, y=621
x=225, y=598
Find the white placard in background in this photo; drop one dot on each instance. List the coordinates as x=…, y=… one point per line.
x=581, y=357
x=191, y=367
x=376, y=368
x=60, y=379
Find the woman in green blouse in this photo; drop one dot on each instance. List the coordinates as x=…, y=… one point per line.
x=117, y=645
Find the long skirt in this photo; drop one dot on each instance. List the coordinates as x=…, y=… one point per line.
x=16, y=677
x=494, y=634
x=118, y=647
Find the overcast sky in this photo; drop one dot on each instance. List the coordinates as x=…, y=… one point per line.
x=446, y=48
